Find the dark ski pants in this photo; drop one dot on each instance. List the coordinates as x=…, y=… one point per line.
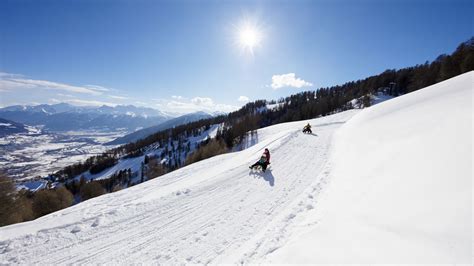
x=263, y=165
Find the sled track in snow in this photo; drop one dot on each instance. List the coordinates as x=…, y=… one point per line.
x=213, y=211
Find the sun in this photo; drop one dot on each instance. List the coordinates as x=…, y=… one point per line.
x=249, y=36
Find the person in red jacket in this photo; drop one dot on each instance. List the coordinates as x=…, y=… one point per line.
x=263, y=162
x=267, y=154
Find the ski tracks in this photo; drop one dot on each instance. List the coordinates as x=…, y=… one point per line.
x=277, y=231
x=230, y=216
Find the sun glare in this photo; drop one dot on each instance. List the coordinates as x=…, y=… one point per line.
x=249, y=36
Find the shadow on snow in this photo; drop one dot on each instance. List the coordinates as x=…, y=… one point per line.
x=267, y=176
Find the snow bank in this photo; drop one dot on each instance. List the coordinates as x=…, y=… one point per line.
x=401, y=185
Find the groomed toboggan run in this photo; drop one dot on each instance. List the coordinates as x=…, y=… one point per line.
x=387, y=184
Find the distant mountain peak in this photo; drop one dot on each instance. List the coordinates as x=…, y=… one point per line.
x=64, y=116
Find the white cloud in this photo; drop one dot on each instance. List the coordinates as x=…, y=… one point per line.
x=141, y=103
x=18, y=87
x=243, y=99
x=80, y=102
x=54, y=100
x=202, y=101
x=118, y=97
x=65, y=95
x=4, y=75
x=97, y=88
x=9, y=85
x=192, y=105
x=288, y=80
x=177, y=104
x=14, y=82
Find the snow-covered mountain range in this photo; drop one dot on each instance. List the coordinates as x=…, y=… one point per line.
x=391, y=183
x=66, y=117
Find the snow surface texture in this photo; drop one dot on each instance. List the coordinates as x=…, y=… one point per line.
x=392, y=185
x=401, y=185
x=197, y=214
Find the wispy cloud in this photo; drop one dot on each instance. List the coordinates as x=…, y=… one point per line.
x=14, y=87
x=141, y=103
x=10, y=75
x=117, y=97
x=179, y=105
x=81, y=102
x=288, y=80
x=14, y=84
x=97, y=88
x=65, y=95
x=9, y=82
x=243, y=99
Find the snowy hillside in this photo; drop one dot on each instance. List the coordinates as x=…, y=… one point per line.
x=391, y=185
x=145, y=132
x=401, y=185
x=152, y=151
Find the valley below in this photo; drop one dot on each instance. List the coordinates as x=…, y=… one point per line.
x=25, y=156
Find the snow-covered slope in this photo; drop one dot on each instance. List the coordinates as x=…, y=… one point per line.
x=199, y=213
x=391, y=185
x=401, y=185
x=152, y=151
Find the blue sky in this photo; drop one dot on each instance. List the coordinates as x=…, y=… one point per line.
x=184, y=56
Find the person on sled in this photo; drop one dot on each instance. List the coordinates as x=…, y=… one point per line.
x=307, y=129
x=263, y=162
